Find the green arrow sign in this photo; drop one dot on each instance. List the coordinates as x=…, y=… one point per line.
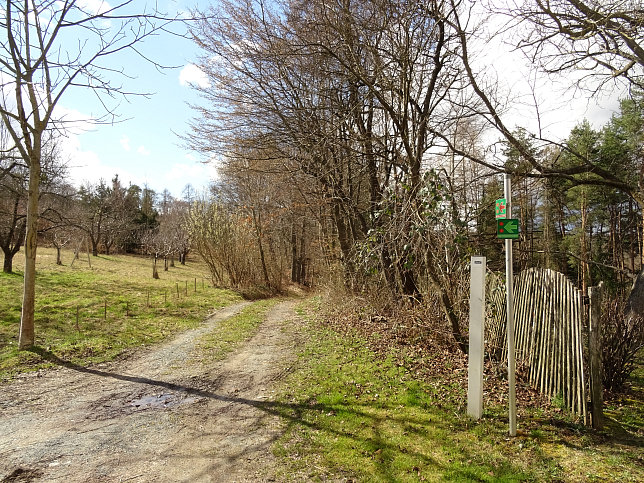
x=507, y=228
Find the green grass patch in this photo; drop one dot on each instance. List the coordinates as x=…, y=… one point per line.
x=91, y=314
x=350, y=414
x=231, y=332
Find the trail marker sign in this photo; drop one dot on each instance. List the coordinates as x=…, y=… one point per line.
x=507, y=228
x=500, y=209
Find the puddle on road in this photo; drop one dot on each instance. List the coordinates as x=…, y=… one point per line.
x=161, y=401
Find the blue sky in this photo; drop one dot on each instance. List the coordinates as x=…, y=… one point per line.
x=143, y=147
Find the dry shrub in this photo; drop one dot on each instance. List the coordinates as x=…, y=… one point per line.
x=622, y=338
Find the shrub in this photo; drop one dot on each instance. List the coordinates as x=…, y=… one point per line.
x=622, y=338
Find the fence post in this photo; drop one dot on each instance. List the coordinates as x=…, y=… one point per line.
x=476, y=347
x=595, y=356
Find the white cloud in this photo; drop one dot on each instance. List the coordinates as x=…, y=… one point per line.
x=191, y=171
x=94, y=6
x=125, y=142
x=144, y=152
x=87, y=166
x=73, y=122
x=193, y=75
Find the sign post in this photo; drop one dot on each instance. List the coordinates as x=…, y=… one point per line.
x=510, y=228
x=477, y=330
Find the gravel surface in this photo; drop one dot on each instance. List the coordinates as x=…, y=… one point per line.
x=157, y=416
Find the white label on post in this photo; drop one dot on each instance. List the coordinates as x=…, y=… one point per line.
x=477, y=328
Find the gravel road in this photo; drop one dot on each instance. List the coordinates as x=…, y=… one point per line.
x=157, y=416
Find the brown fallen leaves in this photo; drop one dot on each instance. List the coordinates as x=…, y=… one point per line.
x=421, y=344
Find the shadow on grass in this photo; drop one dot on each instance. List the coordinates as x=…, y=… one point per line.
x=453, y=460
x=12, y=274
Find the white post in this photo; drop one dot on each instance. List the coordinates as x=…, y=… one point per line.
x=477, y=331
x=509, y=285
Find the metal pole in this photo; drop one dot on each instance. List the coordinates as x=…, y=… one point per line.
x=509, y=284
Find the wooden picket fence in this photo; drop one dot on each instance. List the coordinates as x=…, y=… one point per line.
x=549, y=319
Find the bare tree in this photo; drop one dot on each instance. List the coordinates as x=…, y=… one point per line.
x=13, y=196
x=39, y=65
x=353, y=95
x=171, y=239
x=602, y=38
x=225, y=241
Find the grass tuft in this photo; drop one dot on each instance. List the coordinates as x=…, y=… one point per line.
x=231, y=332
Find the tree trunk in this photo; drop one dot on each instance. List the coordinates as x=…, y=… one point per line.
x=388, y=270
x=635, y=303
x=59, y=261
x=294, y=262
x=8, y=263
x=302, y=265
x=10, y=250
x=584, y=265
x=408, y=283
x=14, y=239
x=341, y=227
x=26, y=337
x=260, y=246
x=448, y=307
x=94, y=241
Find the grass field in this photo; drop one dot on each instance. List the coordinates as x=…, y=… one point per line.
x=91, y=314
x=362, y=416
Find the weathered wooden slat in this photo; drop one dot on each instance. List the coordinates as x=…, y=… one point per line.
x=568, y=344
x=537, y=336
x=580, y=355
x=549, y=333
x=522, y=294
x=560, y=328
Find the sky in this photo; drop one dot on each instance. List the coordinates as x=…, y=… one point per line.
x=145, y=147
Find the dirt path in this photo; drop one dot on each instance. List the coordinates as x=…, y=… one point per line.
x=155, y=417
